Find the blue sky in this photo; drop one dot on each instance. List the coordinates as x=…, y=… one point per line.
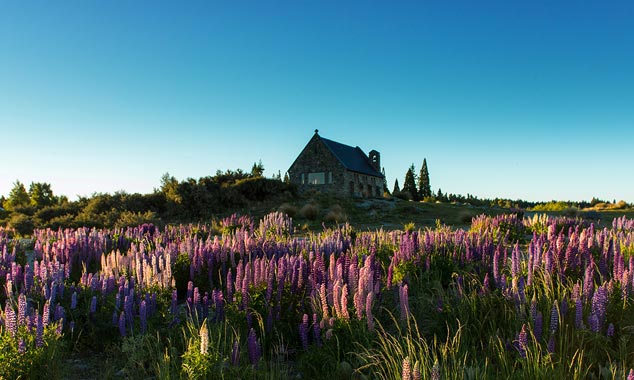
x=532, y=100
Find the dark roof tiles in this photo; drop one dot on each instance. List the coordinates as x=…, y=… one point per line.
x=353, y=159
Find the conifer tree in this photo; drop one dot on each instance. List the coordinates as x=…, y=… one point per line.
x=18, y=197
x=424, y=188
x=397, y=188
x=385, y=189
x=410, y=183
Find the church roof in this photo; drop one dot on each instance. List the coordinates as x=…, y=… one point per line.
x=353, y=159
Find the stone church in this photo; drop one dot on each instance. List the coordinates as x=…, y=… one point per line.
x=327, y=166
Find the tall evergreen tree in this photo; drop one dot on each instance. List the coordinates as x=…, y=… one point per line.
x=424, y=188
x=385, y=189
x=397, y=188
x=41, y=194
x=410, y=183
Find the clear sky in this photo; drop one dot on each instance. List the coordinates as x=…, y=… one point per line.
x=531, y=100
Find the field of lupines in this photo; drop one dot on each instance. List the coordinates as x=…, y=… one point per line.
x=512, y=298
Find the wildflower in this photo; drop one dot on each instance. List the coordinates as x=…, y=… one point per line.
x=73, y=301
x=93, y=305
x=416, y=374
x=143, y=316
x=407, y=370
x=39, y=332
x=551, y=344
x=522, y=342
x=631, y=375
x=578, y=313
x=303, y=331
x=554, y=318
x=610, y=332
x=253, y=347
x=235, y=353
x=204, y=339
x=316, y=330
x=122, y=330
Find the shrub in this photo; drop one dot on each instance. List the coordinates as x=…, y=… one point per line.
x=336, y=214
x=23, y=224
x=310, y=211
x=288, y=209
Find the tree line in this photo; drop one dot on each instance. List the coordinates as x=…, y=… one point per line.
x=175, y=201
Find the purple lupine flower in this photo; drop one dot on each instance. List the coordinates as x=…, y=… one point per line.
x=253, y=347
x=22, y=309
x=11, y=321
x=368, y=310
x=21, y=345
x=235, y=353
x=522, y=342
x=554, y=317
x=538, y=326
x=610, y=332
x=93, y=305
x=551, y=344
x=344, y=302
x=39, y=332
x=143, y=316
x=316, y=330
x=46, y=314
x=115, y=317
x=485, y=284
x=407, y=370
x=631, y=375
x=122, y=323
x=532, y=311
x=174, y=302
x=303, y=331
x=73, y=301
x=578, y=313
x=593, y=321
x=599, y=304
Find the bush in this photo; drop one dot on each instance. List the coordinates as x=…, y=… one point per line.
x=23, y=224
x=310, y=211
x=288, y=209
x=336, y=214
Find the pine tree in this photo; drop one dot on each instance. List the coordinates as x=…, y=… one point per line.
x=397, y=188
x=409, y=185
x=424, y=188
x=385, y=189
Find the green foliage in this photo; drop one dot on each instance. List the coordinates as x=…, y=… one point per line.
x=34, y=362
x=18, y=197
x=409, y=186
x=23, y=224
x=424, y=187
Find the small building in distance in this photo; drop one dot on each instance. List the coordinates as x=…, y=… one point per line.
x=327, y=166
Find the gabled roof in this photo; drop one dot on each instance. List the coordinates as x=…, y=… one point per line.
x=353, y=159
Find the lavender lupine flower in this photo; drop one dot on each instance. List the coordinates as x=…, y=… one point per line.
x=538, y=326
x=11, y=321
x=39, y=332
x=73, y=301
x=253, y=347
x=303, y=331
x=435, y=371
x=344, y=302
x=599, y=304
x=235, y=353
x=174, y=302
x=522, y=342
x=122, y=330
x=631, y=375
x=93, y=305
x=22, y=309
x=407, y=370
x=143, y=316
x=485, y=284
x=368, y=311
x=554, y=317
x=21, y=345
x=578, y=313
x=204, y=339
x=316, y=330
x=593, y=321
x=610, y=332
